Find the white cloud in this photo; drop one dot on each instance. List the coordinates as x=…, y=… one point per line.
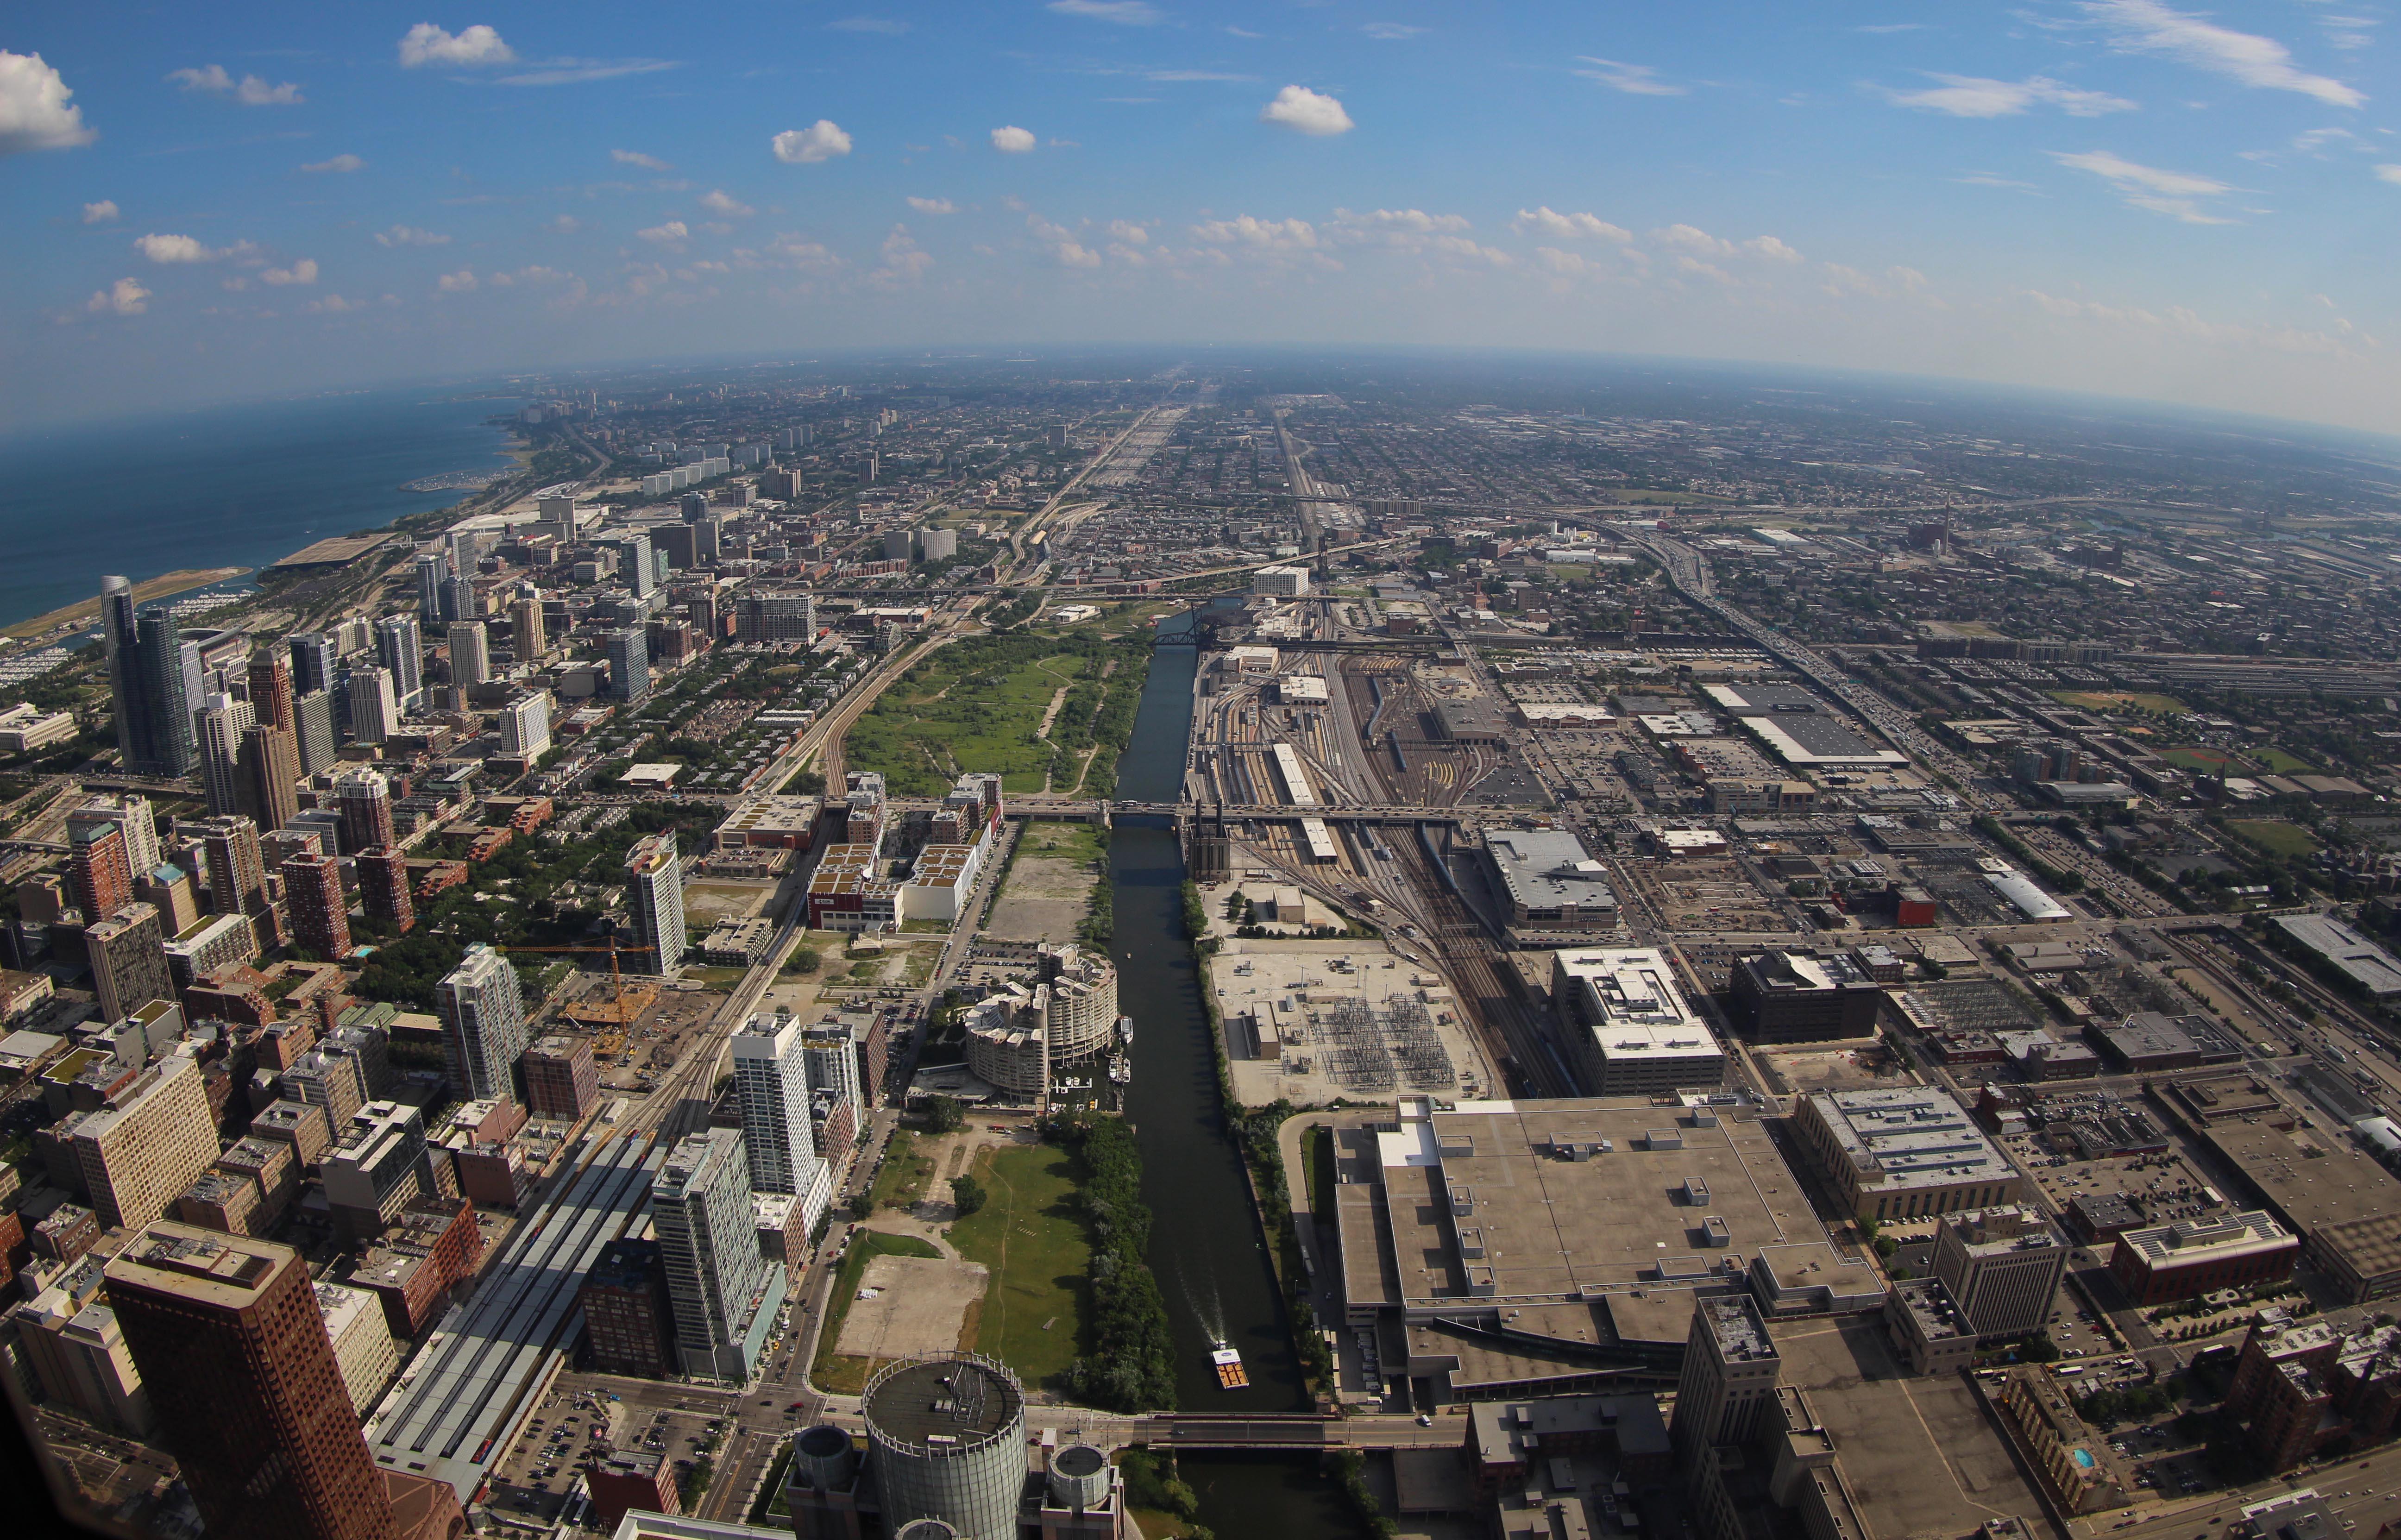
x=302, y=271
x=1686, y=237
x=1072, y=254
x=459, y=282
x=672, y=230
x=1125, y=13
x=933, y=205
x=882, y=25
x=1568, y=226
x=334, y=304
x=1771, y=249
x=2389, y=173
x=126, y=298
x=1306, y=111
x=820, y=141
x=1690, y=239
x=1411, y=221
x=1633, y=79
x=2171, y=193
x=1012, y=141
x=100, y=212
x=172, y=248
x=566, y=224
x=426, y=43
x=576, y=71
x=902, y=258
x=2148, y=26
x=408, y=234
x=636, y=158
x=798, y=251
x=1129, y=233
x=250, y=91
x=1973, y=96
x=339, y=163
x=35, y=113
x=1391, y=31
x=732, y=208
x=1287, y=235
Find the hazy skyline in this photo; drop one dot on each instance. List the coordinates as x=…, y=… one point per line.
x=2130, y=197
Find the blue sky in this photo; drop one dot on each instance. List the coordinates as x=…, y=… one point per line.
x=2135, y=196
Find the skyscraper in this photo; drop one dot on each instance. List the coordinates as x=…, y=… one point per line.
x=129, y=961
x=527, y=639
x=374, y=708
x=227, y=1333
x=148, y=1144
x=483, y=1025
x=1728, y=1386
x=271, y=763
x=220, y=725
x=131, y=814
x=771, y=1077
x=470, y=658
x=383, y=886
x=237, y=877
x=320, y=915
x=364, y=798
x=159, y=673
x=400, y=649
x=312, y=661
x=629, y=665
x=120, y=648
x=100, y=874
x=654, y=901
x=432, y=571
x=314, y=714
x=718, y=1284
x=633, y=562
x=2003, y=1265
x=270, y=691
x=525, y=724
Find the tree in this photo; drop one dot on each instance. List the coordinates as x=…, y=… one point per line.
x=943, y=1115
x=805, y=959
x=966, y=1195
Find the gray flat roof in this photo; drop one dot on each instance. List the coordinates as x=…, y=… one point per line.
x=1544, y=869
x=2375, y=968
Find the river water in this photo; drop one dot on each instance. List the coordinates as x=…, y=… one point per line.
x=1205, y=1248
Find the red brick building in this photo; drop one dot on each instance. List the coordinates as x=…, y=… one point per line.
x=2196, y=1257
x=383, y=886
x=2299, y=1387
x=432, y=1250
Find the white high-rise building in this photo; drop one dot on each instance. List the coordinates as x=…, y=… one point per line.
x=525, y=724
x=483, y=1025
x=374, y=708
x=655, y=899
x=399, y=647
x=771, y=1076
x=724, y=1294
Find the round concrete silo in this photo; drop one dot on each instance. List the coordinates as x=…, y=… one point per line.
x=1079, y=1477
x=824, y=1457
x=947, y=1440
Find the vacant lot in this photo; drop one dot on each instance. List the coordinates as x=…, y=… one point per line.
x=2118, y=700
x=1033, y=707
x=909, y=1307
x=1030, y=1236
x=1051, y=883
x=833, y=1371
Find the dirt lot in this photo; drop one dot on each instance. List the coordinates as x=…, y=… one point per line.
x=707, y=902
x=1048, y=887
x=910, y=1306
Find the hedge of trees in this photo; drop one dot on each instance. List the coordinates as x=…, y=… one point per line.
x=1135, y=1367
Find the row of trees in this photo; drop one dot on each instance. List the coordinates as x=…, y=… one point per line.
x=1136, y=1369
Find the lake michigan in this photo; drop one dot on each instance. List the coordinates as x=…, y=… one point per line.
x=227, y=485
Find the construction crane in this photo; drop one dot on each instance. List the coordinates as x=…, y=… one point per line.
x=624, y=1004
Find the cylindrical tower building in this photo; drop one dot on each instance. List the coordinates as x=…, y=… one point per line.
x=1079, y=1477
x=946, y=1438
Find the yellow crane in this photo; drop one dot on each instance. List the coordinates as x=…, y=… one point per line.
x=625, y=1001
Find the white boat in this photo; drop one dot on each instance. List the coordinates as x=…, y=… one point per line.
x=1125, y=1029
x=1231, y=1375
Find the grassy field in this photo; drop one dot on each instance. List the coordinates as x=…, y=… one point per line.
x=901, y=1181
x=1317, y=1169
x=2277, y=762
x=2275, y=836
x=1031, y=1238
x=979, y=704
x=2111, y=700
x=2209, y=762
x=1060, y=841
x=839, y=1372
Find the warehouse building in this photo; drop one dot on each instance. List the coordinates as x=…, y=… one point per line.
x=1903, y=1152
x=1627, y=1027
x=1799, y=996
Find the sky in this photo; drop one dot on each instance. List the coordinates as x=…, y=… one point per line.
x=2136, y=197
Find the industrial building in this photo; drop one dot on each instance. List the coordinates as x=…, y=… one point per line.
x=1795, y=996
x=2193, y=1257
x=1628, y=1026
x=1552, y=880
x=2003, y=1266
x=1903, y=1152
x=947, y=1454
x=2150, y=1041
x=2345, y=950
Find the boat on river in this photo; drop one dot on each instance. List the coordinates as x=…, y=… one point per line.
x=1231, y=1375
